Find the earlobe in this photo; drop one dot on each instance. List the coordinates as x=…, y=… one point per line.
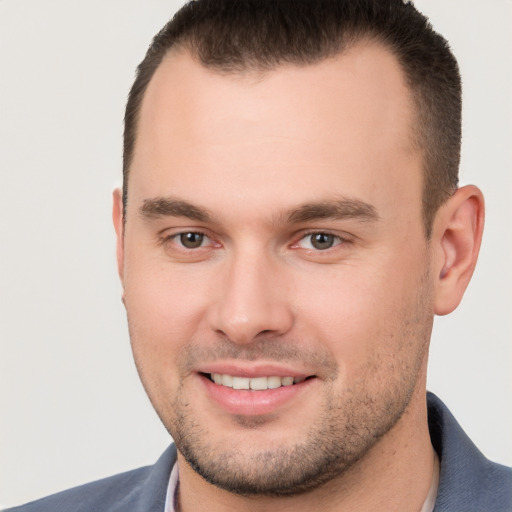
x=457, y=234
x=117, y=217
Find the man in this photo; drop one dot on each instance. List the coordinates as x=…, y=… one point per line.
x=289, y=225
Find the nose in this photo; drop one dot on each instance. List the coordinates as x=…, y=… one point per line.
x=251, y=300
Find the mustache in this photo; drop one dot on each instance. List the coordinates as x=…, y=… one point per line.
x=268, y=349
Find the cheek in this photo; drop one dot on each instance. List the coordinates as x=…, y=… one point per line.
x=165, y=307
x=162, y=296
x=369, y=317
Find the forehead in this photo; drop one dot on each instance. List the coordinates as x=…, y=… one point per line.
x=344, y=122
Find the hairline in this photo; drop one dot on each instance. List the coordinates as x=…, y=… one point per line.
x=417, y=139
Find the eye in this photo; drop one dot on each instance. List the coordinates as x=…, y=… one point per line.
x=188, y=246
x=319, y=241
x=191, y=239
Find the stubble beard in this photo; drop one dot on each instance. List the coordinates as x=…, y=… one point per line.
x=351, y=423
x=335, y=443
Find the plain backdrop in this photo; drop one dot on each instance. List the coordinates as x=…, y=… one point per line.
x=71, y=406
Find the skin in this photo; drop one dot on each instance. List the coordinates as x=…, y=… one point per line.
x=238, y=158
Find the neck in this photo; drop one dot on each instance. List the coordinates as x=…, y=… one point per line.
x=394, y=475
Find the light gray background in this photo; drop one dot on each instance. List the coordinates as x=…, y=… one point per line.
x=71, y=406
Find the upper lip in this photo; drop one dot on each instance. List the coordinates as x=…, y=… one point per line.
x=252, y=370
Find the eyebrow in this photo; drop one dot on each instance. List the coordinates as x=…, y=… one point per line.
x=166, y=207
x=345, y=208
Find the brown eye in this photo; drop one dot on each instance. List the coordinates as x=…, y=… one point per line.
x=322, y=241
x=191, y=240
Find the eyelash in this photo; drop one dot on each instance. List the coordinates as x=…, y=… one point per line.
x=175, y=237
x=338, y=240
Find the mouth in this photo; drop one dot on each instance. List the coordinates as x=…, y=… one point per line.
x=257, y=391
x=261, y=383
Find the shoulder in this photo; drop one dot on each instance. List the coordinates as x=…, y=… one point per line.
x=106, y=491
x=468, y=480
x=140, y=489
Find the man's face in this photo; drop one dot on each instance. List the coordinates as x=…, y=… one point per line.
x=274, y=235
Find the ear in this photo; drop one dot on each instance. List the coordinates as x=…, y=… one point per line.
x=117, y=217
x=457, y=234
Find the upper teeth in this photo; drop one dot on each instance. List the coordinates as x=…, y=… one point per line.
x=255, y=383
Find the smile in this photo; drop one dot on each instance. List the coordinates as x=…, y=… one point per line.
x=254, y=383
x=255, y=391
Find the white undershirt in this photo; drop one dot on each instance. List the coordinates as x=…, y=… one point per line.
x=430, y=502
x=172, y=488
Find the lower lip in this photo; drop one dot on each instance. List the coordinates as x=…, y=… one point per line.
x=253, y=403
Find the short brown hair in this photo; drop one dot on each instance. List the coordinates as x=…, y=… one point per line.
x=231, y=36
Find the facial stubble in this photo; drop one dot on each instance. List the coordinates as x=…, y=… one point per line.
x=351, y=421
